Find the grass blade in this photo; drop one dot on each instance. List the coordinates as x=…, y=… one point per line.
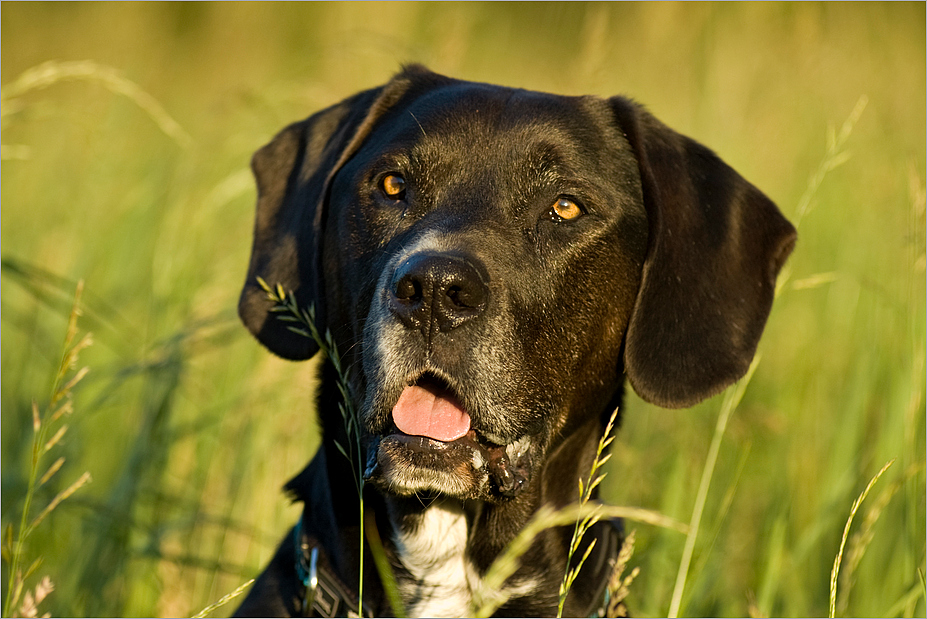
x=53, y=72
x=491, y=594
x=225, y=599
x=731, y=401
x=835, y=572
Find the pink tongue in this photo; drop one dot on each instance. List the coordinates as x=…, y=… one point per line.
x=432, y=413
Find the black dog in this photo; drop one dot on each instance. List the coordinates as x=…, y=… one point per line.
x=492, y=263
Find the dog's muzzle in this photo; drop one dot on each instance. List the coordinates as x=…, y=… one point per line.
x=432, y=440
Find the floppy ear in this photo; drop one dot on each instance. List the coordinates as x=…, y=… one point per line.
x=715, y=248
x=293, y=173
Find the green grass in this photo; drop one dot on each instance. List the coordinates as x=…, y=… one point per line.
x=189, y=428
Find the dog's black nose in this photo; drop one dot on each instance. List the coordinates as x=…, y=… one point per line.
x=442, y=291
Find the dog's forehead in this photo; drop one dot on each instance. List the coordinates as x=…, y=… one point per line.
x=480, y=116
x=467, y=104
x=473, y=130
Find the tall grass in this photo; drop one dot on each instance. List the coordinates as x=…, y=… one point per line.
x=303, y=322
x=583, y=524
x=58, y=409
x=189, y=428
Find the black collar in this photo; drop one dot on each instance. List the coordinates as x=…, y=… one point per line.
x=324, y=594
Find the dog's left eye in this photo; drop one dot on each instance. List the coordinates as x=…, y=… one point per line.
x=565, y=209
x=393, y=186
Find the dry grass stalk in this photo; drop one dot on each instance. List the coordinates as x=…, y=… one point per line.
x=835, y=572
x=225, y=599
x=619, y=585
x=59, y=407
x=54, y=72
x=584, y=524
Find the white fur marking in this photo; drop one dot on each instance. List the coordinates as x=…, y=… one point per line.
x=444, y=579
x=435, y=555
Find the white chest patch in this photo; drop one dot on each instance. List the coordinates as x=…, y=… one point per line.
x=435, y=555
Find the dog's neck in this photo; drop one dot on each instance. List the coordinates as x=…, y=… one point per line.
x=441, y=560
x=437, y=577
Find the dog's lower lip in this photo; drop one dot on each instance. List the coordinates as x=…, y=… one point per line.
x=471, y=438
x=423, y=443
x=508, y=476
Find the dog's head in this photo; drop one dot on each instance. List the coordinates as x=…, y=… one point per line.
x=494, y=261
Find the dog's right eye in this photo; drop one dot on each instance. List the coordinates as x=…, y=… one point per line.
x=393, y=186
x=565, y=209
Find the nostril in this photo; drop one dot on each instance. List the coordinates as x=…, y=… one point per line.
x=408, y=289
x=466, y=296
x=454, y=294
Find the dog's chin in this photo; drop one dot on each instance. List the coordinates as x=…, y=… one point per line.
x=469, y=467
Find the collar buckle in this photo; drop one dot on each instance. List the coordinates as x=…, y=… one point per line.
x=323, y=594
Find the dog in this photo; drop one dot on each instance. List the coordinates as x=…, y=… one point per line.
x=492, y=264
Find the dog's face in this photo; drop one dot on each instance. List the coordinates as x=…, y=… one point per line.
x=494, y=261
x=496, y=239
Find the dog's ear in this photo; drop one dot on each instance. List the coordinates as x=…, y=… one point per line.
x=293, y=173
x=715, y=248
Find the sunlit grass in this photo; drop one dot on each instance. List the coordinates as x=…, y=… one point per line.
x=58, y=409
x=190, y=428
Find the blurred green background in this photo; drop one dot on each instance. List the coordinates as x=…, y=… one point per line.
x=131, y=173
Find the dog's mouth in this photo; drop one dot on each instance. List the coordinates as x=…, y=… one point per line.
x=432, y=445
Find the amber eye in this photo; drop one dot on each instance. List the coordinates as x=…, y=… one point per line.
x=565, y=209
x=394, y=186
